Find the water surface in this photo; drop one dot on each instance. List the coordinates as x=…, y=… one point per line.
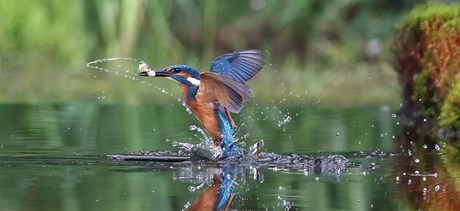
x=54, y=157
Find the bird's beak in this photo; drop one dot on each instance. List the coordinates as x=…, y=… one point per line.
x=145, y=71
x=155, y=73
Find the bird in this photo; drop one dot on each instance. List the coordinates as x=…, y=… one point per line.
x=212, y=96
x=217, y=196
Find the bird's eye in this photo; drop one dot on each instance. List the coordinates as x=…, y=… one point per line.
x=176, y=70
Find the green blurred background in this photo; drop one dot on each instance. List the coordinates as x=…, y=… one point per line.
x=333, y=51
x=57, y=116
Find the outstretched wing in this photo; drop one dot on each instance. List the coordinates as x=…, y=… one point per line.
x=239, y=65
x=228, y=92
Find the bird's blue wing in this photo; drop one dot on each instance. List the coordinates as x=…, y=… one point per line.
x=239, y=65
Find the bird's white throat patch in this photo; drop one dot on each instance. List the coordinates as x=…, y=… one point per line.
x=194, y=81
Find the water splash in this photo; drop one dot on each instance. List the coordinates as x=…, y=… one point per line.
x=194, y=188
x=92, y=64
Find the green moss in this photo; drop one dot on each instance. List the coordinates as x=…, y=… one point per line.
x=425, y=12
x=443, y=13
x=450, y=111
x=453, y=24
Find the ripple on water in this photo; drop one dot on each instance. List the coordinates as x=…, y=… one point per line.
x=195, y=153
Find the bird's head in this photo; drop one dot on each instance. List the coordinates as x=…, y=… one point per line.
x=182, y=74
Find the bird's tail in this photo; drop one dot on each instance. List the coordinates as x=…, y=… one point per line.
x=226, y=141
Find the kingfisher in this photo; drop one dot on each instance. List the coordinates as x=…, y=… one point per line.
x=212, y=96
x=218, y=196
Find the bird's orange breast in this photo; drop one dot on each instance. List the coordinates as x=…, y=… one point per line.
x=209, y=198
x=204, y=112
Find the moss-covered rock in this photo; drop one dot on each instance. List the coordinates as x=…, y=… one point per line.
x=426, y=55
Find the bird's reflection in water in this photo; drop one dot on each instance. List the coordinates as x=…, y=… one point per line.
x=218, y=196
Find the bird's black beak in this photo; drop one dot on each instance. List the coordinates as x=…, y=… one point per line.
x=161, y=73
x=145, y=71
x=143, y=74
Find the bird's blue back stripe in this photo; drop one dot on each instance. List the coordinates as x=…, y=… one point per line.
x=227, y=132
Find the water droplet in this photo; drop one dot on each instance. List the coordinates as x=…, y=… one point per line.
x=192, y=127
x=417, y=160
x=436, y=146
x=393, y=115
x=261, y=143
x=436, y=188
x=425, y=146
x=337, y=134
x=119, y=65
